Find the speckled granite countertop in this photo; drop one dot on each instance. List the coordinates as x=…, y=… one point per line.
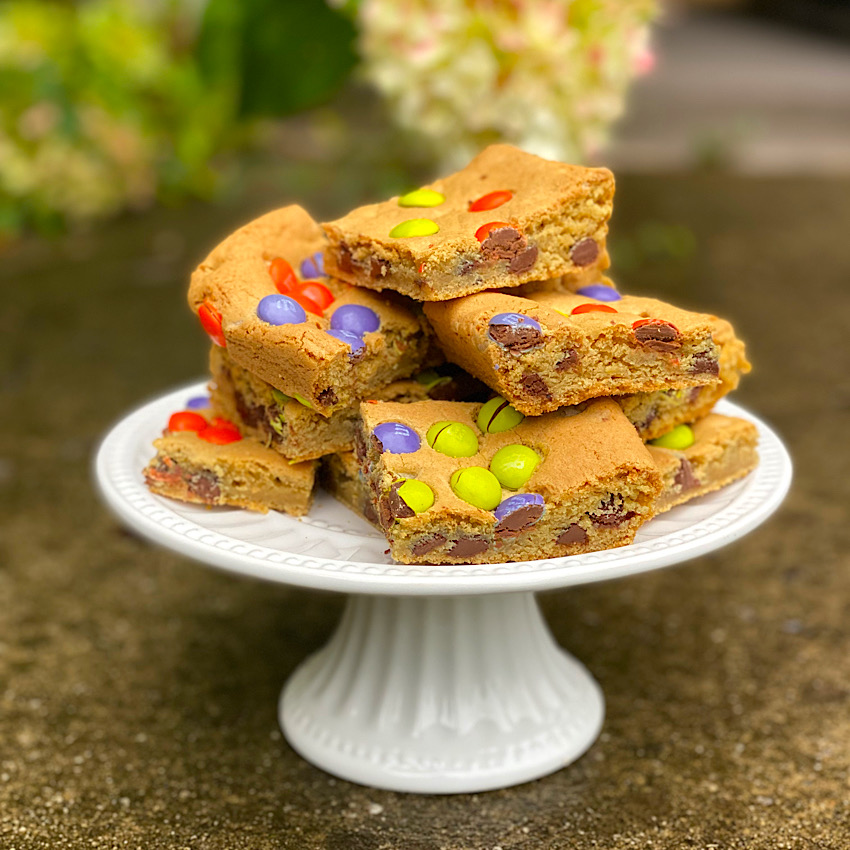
x=138, y=690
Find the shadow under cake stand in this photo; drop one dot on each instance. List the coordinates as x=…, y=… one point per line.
x=438, y=679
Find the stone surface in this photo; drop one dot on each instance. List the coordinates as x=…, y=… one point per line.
x=138, y=690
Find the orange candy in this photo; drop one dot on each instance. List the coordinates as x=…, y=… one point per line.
x=317, y=292
x=484, y=231
x=592, y=308
x=221, y=433
x=211, y=323
x=307, y=303
x=491, y=200
x=185, y=420
x=282, y=275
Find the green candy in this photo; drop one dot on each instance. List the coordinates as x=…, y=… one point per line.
x=414, y=227
x=497, y=416
x=421, y=198
x=279, y=397
x=304, y=401
x=478, y=486
x=430, y=379
x=513, y=465
x=453, y=439
x=681, y=437
x=416, y=495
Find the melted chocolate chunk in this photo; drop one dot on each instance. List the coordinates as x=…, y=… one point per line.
x=343, y=259
x=611, y=512
x=694, y=394
x=379, y=267
x=204, y=485
x=327, y=396
x=503, y=243
x=515, y=337
x=572, y=534
x=584, y=252
x=524, y=260
x=251, y=414
x=568, y=362
x=467, y=547
x=658, y=336
x=519, y=520
x=424, y=545
x=534, y=386
x=398, y=507
x=369, y=512
x=685, y=479
x=704, y=362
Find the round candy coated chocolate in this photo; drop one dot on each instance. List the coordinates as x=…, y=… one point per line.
x=282, y=274
x=453, y=439
x=591, y=308
x=513, y=465
x=317, y=292
x=354, y=342
x=417, y=495
x=397, y=438
x=221, y=433
x=421, y=198
x=185, y=420
x=484, y=231
x=600, y=292
x=515, y=320
x=497, y=415
x=211, y=322
x=312, y=267
x=198, y=402
x=514, y=503
x=430, y=378
x=478, y=486
x=491, y=200
x=281, y=310
x=279, y=397
x=414, y=227
x=305, y=401
x=355, y=318
x=681, y=437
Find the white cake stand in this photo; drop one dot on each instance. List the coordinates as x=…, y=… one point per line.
x=437, y=679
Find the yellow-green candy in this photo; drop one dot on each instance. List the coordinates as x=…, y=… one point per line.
x=478, y=486
x=497, y=415
x=414, y=227
x=513, y=465
x=453, y=439
x=421, y=198
x=416, y=495
x=279, y=397
x=430, y=378
x=304, y=401
x=681, y=437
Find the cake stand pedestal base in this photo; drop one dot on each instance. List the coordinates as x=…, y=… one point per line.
x=441, y=694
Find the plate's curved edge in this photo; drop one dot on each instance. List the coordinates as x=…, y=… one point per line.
x=124, y=492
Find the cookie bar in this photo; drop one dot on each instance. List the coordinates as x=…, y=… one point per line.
x=298, y=432
x=560, y=348
x=721, y=450
x=339, y=475
x=507, y=218
x=455, y=482
x=249, y=300
x=204, y=460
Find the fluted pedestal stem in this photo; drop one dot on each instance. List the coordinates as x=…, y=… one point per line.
x=441, y=695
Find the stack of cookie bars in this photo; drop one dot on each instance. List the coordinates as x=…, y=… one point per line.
x=455, y=366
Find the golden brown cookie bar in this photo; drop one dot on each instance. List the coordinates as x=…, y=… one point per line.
x=362, y=342
x=560, y=348
x=507, y=218
x=212, y=465
x=283, y=423
x=339, y=475
x=455, y=482
x=724, y=449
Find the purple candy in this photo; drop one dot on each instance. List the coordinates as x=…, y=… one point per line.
x=198, y=402
x=514, y=503
x=352, y=340
x=313, y=266
x=600, y=292
x=281, y=310
x=355, y=319
x=397, y=439
x=514, y=320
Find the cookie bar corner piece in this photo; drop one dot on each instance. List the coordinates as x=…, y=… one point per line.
x=458, y=483
x=508, y=218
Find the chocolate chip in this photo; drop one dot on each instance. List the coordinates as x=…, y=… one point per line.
x=377, y=445
x=694, y=394
x=503, y=243
x=611, y=512
x=369, y=512
x=704, y=362
x=467, y=547
x=343, y=259
x=524, y=260
x=568, y=362
x=399, y=509
x=466, y=266
x=685, y=479
x=327, y=397
x=515, y=337
x=658, y=336
x=572, y=534
x=204, y=485
x=250, y=414
x=584, y=252
x=534, y=386
x=379, y=267
x=519, y=520
x=427, y=544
